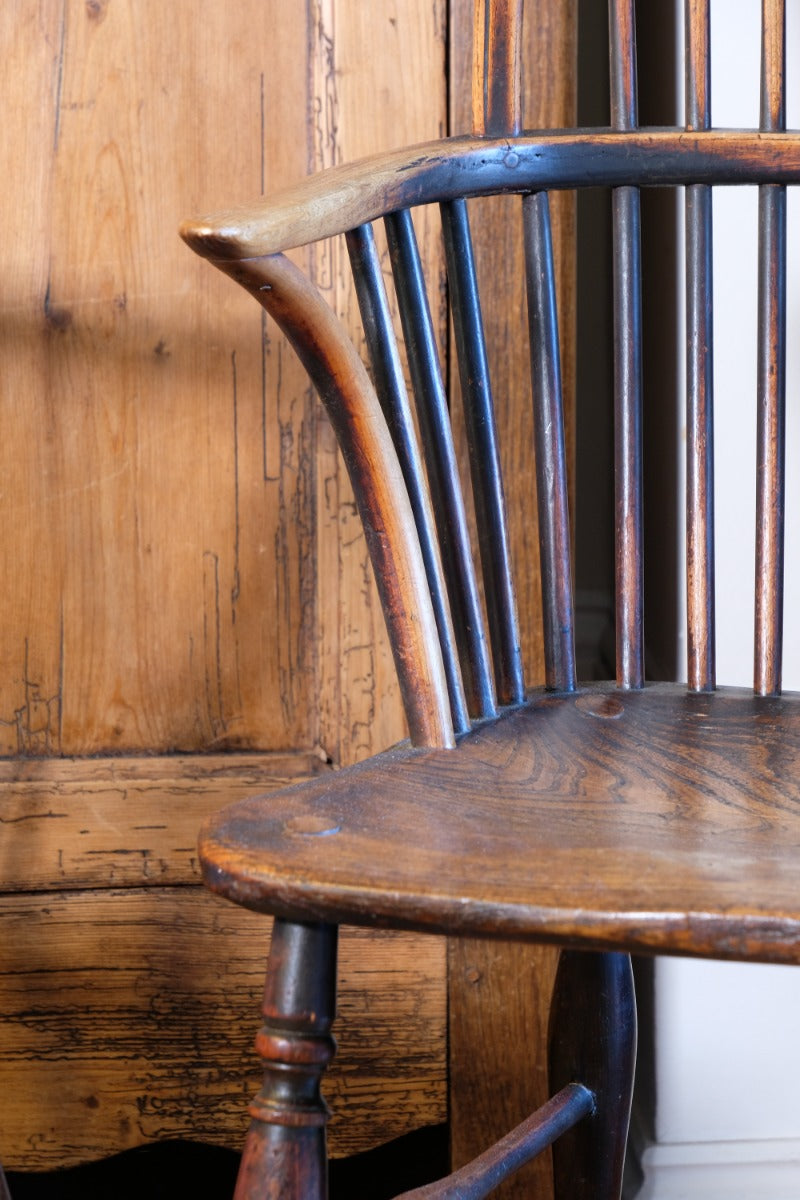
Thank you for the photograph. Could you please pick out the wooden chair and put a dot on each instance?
(655, 818)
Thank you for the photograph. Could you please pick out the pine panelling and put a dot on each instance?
(128, 1017)
(122, 822)
(163, 591)
(160, 589)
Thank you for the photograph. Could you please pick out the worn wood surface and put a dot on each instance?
(183, 563)
(134, 602)
(649, 819)
(159, 602)
(121, 822)
(129, 1016)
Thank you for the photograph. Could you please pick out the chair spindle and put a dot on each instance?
(627, 363)
(484, 455)
(771, 370)
(700, 591)
(551, 462)
(441, 463)
(390, 386)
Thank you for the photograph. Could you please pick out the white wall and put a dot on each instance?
(727, 1035)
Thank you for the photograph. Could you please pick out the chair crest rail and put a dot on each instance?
(345, 197)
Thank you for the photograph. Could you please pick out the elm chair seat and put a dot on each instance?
(647, 820)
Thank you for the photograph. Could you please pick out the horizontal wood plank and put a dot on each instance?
(123, 822)
(129, 1017)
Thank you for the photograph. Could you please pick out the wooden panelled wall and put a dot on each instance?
(186, 594)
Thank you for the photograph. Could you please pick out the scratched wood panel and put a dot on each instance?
(164, 589)
(400, 99)
(160, 592)
(128, 1016)
(122, 822)
(499, 996)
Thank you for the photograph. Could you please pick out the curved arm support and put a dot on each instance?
(349, 398)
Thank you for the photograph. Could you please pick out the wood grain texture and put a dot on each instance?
(128, 1016)
(647, 820)
(141, 615)
(130, 596)
(121, 822)
(499, 1003)
(183, 561)
(497, 67)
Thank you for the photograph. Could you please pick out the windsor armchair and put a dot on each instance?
(628, 816)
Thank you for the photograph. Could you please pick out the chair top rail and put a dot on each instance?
(344, 197)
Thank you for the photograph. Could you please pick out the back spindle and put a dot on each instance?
(699, 372)
(771, 370)
(392, 393)
(627, 363)
(484, 456)
(442, 467)
(551, 462)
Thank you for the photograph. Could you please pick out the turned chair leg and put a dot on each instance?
(593, 1041)
(285, 1152)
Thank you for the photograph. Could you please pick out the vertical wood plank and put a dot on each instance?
(499, 995)
(133, 394)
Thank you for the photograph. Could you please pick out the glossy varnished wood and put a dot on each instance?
(651, 820)
(296, 1046)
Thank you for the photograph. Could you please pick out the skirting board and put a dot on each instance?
(756, 1170)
